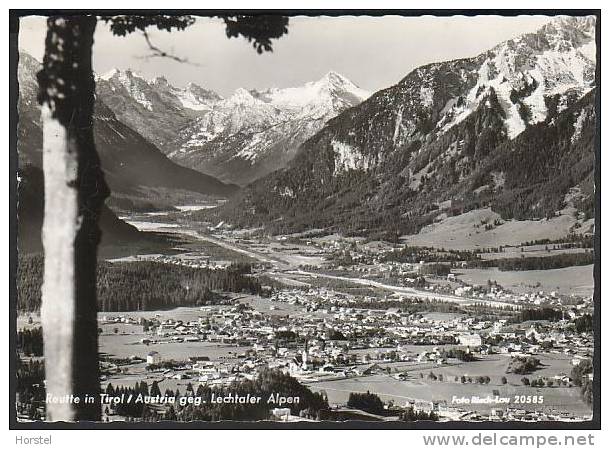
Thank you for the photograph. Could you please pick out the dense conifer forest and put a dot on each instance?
(539, 263)
(129, 286)
(29, 341)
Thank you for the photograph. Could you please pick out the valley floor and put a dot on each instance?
(303, 264)
(404, 357)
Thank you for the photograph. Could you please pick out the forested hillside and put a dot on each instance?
(527, 177)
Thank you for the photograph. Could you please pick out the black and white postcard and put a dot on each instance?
(305, 219)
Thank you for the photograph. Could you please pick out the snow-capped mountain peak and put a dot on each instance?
(126, 76)
(331, 93)
(202, 93)
(158, 93)
(564, 32)
(241, 96)
(335, 80)
(512, 129)
(260, 130)
(107, 76)
(153, 107)
(525, 72)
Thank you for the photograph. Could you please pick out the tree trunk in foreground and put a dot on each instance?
(74, 193)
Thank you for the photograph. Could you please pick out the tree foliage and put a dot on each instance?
(553, 262)
(580, 376)
(411, 415)
(29, 341)
(268, 382)
(368, 402)
(123, 25)
(523, 365)
(259, 30)
(584, 323)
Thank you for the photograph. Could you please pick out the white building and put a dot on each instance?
(281, 414)
(153, 358)
(470, 340)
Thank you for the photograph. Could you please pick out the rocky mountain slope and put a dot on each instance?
(512, 128)
(131, 163)
(153, 108)
(237, 139)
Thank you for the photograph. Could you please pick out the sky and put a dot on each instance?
(373, 52)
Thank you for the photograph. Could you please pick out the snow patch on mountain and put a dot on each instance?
(589, 50)
(285, 191)
(397, 127)
(426, 94)
(348, 158)
(582, 117)
(535, 101)
(251, 151)
(557, 59)
(196, 98)
(240, 113)
(189, 101)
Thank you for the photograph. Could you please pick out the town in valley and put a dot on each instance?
(325, 253)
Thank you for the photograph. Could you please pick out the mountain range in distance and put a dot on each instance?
(134, 168)
(129, 160)
(237, 139)
(512, 129)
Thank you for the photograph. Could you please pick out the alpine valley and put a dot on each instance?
(512, 129)
(139, 175)
(424, 252)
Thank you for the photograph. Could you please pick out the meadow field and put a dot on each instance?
(577, 280)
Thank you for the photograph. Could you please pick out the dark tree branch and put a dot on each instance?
(158, 53)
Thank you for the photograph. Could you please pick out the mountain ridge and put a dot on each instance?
(130, 161)
(393, 159)
(237, 139)
(132, 167)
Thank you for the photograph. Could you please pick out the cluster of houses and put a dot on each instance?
(190, 260)
(337, 339)
(369, 260)
(335, 335)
